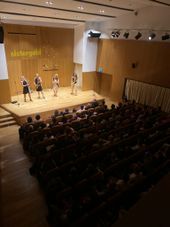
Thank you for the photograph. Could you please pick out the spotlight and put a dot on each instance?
(126, 35)
(151, 36)
(138, 36)
(94, 34)
(165, 37)
(115, 34)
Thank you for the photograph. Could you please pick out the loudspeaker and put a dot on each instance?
(1, 34)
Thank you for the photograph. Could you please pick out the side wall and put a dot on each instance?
(139, 60)
(51, 51)
(99, 82)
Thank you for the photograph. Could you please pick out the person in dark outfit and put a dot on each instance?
(38, 84)
(26, 88)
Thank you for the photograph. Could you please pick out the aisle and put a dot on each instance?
(22, 203)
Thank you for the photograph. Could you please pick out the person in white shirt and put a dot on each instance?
(55, 84)
(74, 80)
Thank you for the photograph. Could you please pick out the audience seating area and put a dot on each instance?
(94, 162)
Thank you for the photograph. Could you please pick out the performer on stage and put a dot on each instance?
(55, 84)
(38, 84)
(26, 88)
(74, 79)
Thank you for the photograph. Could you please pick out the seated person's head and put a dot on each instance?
(29, 119)
(66, 111)
(56, 113)
(37, 117)
(64, 119)
(53, 118)
(113, 106)
(74, 110)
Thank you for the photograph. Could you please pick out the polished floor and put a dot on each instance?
(22, 202)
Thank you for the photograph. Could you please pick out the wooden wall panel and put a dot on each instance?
(151, 59)
(99, 82)
(105, 86)
(56, 46)
(88, 79)
(5, 96)
(14, 72)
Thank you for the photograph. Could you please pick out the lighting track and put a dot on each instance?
(103, 5)
(54, 8)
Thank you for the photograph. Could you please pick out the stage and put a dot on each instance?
(45, 107)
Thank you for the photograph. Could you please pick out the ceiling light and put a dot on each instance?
(151, 36)
(138, 36)
(49, 2)
(115, 34)
(126, 35)
(165, 37)
(80, 7)
(101, 11)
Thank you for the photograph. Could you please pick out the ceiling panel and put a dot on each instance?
(74, 12)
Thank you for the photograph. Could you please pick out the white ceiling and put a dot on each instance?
(111, 14)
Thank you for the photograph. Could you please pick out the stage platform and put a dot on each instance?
(45, 107)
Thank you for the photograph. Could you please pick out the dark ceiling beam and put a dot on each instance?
(37, 16)
(104, 5)
(160, 2)
(54, 8)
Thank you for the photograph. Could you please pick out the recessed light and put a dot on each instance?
(49, 2)
(80, 7)
(4, 17)
(101, 11)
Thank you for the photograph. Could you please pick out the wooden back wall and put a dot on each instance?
(55, 45)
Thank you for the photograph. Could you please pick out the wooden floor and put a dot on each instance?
(46, 106)
(22, 202)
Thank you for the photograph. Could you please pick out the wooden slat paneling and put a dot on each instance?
(56, 54)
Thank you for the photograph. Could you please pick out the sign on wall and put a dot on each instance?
(26, 53)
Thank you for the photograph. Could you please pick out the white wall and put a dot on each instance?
(78, 44)
(85, 48)
(90, 46)
(3, 64)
